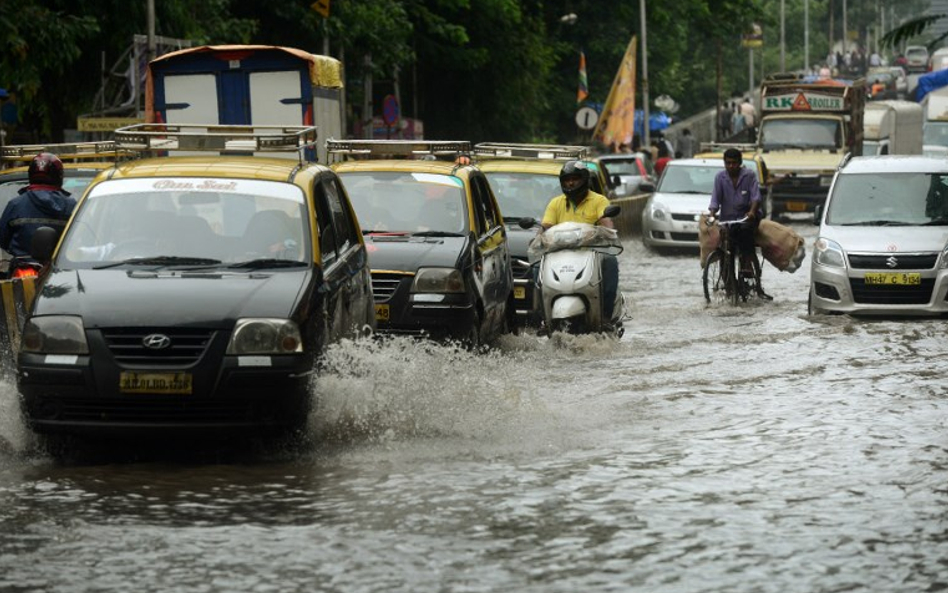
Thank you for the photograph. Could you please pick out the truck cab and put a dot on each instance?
(807, 126)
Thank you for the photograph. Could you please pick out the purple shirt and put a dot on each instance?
(734, 201)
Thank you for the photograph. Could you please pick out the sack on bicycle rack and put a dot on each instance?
(709, 237)
(780, 245)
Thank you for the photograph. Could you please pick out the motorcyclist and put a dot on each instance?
(43, 202)
(578, 203)
(736, 193)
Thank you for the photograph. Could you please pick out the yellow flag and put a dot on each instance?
(322, 7)
(617, 122)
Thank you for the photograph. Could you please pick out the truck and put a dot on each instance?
(892, 127)
(257, 85)
(932, 94)
(807, 126)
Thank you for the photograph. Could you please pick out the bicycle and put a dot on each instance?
(723, 277)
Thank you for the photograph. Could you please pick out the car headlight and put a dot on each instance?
(54, 334)
(828, 253)
(658, 212)
(265, 336)
(944, 258)
(438, 280)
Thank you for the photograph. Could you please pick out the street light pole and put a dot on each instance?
(806, 35)
(783, 62)
(645, 122)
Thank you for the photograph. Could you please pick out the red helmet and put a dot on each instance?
(46, 169)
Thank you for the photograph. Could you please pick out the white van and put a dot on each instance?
(882, 248)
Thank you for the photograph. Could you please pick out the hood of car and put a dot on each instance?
(891, 239)
(802, 161)
(138, 297)
(681, 202)
(405, 253)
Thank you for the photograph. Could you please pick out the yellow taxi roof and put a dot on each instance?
(401, 165)
(521, 166)
(243, 167)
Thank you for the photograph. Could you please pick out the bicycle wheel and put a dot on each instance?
(714, 276)
(731, 287)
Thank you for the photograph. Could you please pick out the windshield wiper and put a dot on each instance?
(379, 231)
(876, 223)
(161, 260)
(436, 234)
(936, 222)
(687, 191)
(268, 262)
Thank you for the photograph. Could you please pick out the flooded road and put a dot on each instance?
(712, 449)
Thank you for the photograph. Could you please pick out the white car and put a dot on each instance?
(670, 217)
(882, 248)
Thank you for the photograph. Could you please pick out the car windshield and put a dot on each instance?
(690, 179)
(523, 195)
(890, 199)
(187, 221)
(405, 202)
(935, 133)
(800, 133)
(916, 53)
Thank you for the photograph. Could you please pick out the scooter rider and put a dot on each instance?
(43, 202)
(578, 203)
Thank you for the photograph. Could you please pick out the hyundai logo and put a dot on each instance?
(892, 262)
(156, 341)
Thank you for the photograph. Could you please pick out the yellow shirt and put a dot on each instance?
(590, 210)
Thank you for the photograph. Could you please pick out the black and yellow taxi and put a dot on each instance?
(194, 293)
(435, 236)
(525, 177)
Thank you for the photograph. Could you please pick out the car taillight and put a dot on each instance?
(24, 273)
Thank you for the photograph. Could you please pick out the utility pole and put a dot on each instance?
(151, 31)
(806, 35)
(783, 59)
(646, 136)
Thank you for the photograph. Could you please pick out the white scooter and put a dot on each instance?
(569, 282)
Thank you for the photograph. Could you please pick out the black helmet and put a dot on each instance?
(574, 169)
(46, 169)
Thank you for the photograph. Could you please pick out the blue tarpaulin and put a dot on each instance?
(657, 120)
(929, 82)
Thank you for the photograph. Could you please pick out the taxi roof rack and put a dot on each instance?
(69, 151)
(399, 148)
(530, 151)
(237, 139)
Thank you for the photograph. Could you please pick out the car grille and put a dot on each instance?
(684, 216)
(520, 270)
(923, 261)
(684, 237)
(187, 345)
(876, 294)
(384, 286)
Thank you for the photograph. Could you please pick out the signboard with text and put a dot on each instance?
(803, 102)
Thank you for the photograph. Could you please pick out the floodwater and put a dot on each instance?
(712, 449)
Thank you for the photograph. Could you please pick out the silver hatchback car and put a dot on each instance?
(882, 247)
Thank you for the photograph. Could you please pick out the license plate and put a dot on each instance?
(796, 206)
(155, 383)
(382, 313)
(901, 278)
(520, 292)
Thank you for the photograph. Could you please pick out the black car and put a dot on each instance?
(436, 241)
(194, 294)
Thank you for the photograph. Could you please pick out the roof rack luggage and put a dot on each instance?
(529, 151)
(216, 138)
(398, 148)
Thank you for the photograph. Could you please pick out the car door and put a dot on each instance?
(344, 259)
(492, 251)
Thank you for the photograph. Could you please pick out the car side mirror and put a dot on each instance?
(611, 211)
(527, 223)
(817, 214)
(43, 244)
(647, 187)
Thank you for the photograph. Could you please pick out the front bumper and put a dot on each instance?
(228, 394)
(842, 290)
(678, 229)
(435, 315)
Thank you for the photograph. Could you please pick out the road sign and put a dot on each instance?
(586, 118)
(390, 110)
(322, 7)
(105, 124)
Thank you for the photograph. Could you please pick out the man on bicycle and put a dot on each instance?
(736, 193)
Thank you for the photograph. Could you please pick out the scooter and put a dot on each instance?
(569, 279)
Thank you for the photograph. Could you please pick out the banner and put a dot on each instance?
(616, 124)
(583, 90)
